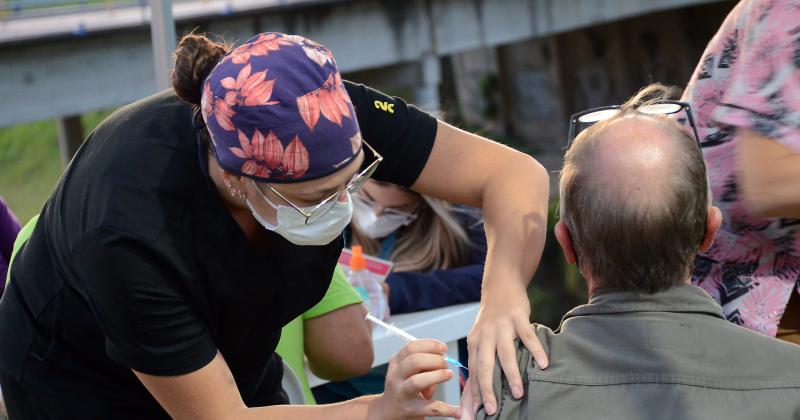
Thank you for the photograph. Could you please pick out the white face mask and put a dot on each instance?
(375, 226)
(292, 225)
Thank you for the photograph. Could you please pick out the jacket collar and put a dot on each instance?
(681, 298)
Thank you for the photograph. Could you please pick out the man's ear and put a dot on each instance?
(712, 226)
(564, 239)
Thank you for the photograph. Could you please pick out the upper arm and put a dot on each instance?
(768, 175)
(338, 344)
(461, 164)
(760, 100)
(207, 393)
(433, 157)
(336, 338)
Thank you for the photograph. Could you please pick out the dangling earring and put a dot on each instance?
(234, 192)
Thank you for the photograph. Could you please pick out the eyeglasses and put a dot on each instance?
(327, 204)
(578, 122)
(392, 213)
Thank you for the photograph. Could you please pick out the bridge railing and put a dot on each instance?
(15, 9)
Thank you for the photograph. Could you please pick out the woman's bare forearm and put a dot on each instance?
(359, 408)
(515, 214)
(510, 186)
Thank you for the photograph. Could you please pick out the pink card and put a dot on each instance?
(380, 268)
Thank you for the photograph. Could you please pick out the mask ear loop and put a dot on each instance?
(264, 196)
(197, 119)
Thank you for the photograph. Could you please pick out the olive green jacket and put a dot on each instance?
(669, 355)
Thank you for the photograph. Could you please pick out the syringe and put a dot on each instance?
(408, 337)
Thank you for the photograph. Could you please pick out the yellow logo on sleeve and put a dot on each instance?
(385, 106)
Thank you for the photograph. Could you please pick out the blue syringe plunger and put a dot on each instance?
(408, 337)
(455, 362)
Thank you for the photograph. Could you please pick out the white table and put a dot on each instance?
(448, 324)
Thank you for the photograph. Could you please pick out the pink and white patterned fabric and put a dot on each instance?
(749, 77)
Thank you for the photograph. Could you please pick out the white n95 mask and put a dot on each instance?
(291, 224)
(378, 226)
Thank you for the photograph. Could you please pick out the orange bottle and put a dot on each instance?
(357, 261)
(367, 287)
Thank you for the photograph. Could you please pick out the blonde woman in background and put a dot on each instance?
(438, 250)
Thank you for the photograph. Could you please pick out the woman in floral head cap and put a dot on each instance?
(193, 224)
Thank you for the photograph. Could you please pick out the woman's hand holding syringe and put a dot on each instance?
(407, 337)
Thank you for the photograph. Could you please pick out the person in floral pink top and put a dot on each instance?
(746, 95)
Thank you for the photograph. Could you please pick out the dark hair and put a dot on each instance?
(632, 239)
(195, 57)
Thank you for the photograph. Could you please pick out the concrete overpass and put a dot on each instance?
(60, 66)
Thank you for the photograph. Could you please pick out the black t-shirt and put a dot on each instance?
(136, 264)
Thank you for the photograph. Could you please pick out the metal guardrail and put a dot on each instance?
(19, 9)
(40, 19)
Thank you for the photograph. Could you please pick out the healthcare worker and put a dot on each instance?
(193, 224)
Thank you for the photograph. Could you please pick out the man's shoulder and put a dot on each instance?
(760, 352)
(688, 347)
(545, 335)
(645, 371)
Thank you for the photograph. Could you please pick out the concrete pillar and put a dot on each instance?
(475, 74)
(530, 79)
(162, 33)
(426, 94)
(70, 136)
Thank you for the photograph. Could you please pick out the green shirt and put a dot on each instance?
(22, 236)
(290, 348)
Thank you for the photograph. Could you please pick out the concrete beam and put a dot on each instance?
(74, 77)
(71, 76)
(120, 18)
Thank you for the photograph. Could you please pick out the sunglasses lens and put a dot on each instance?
(596, 116)
(659, 109)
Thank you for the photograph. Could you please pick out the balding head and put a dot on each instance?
(634, 197)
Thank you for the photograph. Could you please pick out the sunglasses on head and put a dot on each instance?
(580, 121)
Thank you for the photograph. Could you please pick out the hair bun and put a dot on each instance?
(195, 57)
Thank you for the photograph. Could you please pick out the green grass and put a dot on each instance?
(8, 8)
(30, 163)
